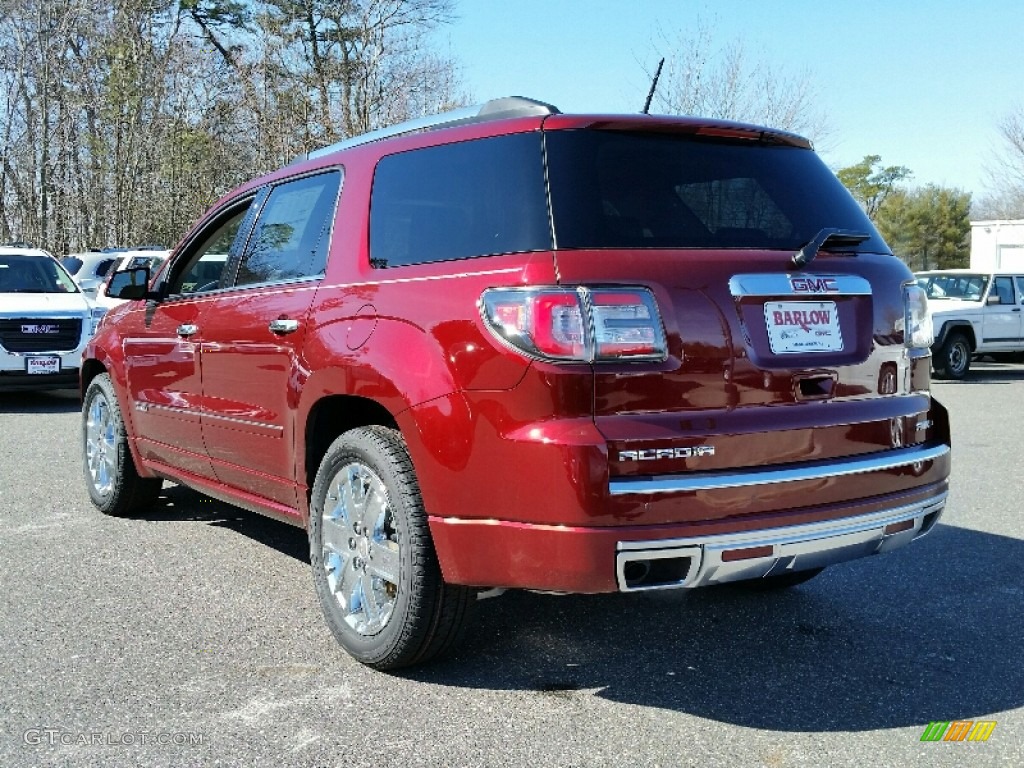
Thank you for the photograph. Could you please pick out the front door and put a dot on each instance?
(1001, 329)
(163, 343)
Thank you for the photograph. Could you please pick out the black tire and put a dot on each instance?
(954, 358)
(779, 581)
(375, 570)
(111, 477)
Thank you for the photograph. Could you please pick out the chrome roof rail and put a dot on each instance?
(495, 109)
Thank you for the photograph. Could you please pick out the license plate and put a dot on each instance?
(42, 365)
(798, 327)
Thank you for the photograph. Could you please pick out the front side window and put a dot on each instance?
(456, 201)
(1003, 288)
(293, 231)
(616, 189)
(202, 264)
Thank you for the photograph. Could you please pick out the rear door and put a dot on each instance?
(252, 343)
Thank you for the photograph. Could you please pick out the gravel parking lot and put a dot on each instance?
(192, 636)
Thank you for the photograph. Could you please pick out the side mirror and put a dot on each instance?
(993, 298)
(131, 284)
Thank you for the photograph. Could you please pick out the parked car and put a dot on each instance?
(524, 349)
(90, 269)
(45, 321)
(974, 313)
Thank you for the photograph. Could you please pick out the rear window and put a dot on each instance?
(72, 264)
(460, 200)
(104, 267)
(627, 190)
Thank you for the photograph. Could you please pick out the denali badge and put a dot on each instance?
(26, 329)
(653, 454)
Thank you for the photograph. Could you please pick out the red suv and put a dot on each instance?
(509, 347)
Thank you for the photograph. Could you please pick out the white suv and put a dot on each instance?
(45, 321)
(973, 313)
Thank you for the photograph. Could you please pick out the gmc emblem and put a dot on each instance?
(814, 285)
(27, 329)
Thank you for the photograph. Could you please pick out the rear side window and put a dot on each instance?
(104, 267)
(613, 189)
(292, 232)
(455, 201)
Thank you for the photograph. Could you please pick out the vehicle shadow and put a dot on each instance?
(178, 503)
(50, 401)
(986, 373)
(929, 633)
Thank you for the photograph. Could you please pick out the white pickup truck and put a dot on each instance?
(974, 313)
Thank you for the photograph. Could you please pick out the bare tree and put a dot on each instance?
(1005, 172)
(708, 79)
(123, 122)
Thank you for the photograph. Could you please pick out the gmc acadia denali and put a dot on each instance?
(512, 348)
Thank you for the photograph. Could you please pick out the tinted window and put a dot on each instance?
(458, 200)
(615, 189)
(104, 267)
(292, 232)
(72, 264)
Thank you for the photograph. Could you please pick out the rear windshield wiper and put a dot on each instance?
(806, 255)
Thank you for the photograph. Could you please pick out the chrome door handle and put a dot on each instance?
(284, 326)
(188, 329)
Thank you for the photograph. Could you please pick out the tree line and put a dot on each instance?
(122, 123)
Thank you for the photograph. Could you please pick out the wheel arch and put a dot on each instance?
(955, 326)
(328, 418)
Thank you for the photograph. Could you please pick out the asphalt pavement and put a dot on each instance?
(191, 636)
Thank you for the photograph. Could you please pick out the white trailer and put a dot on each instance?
(997, 245)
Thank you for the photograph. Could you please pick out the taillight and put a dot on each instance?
(577, 324)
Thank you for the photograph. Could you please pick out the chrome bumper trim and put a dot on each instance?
(793, 548)
(710, 481)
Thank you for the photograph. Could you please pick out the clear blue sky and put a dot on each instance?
(923, 83)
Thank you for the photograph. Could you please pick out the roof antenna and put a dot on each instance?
(654, 84)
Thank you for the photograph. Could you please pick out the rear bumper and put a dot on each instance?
(707, 560)
(561, 558)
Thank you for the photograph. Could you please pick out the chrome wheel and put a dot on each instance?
(375, 569)
(101, 445)
(360, 548)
